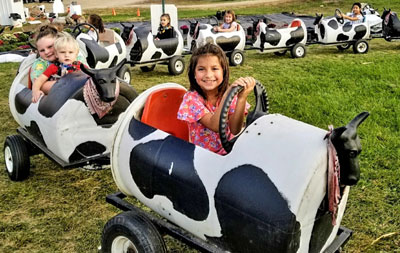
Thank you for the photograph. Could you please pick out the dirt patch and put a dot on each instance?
(99, 4)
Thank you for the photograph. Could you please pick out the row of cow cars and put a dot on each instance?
(254, 199)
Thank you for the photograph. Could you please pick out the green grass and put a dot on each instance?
(64, 210)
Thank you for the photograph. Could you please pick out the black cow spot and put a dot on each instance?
(347, 27)
(168, 46)
(322, 228)
(253, 215)
(85, 150)
(34, 130)
(360, 30)
(165, 167)
(119, 47)
(342, 37)
(322, 30)
(23, 100)
(333, 24)
(228, 44)
(61, 91)
(138, 130)
(295, 36)
(272, 37)
(156, 55)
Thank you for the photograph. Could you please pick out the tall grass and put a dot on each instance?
(63, 210)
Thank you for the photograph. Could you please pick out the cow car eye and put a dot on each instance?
(101, 81)
(353, 153)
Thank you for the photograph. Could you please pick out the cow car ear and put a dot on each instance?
(337, 132)
(86, 70)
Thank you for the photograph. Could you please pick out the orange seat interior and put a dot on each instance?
(160, 111)
(295, 23)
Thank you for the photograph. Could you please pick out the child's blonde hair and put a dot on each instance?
(65, 39)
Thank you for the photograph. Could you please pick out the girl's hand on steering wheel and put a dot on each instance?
(247, 83)
(36, 95)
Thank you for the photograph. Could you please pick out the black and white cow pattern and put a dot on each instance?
(330, 31)
(144, 48)
(205, 33)
(97, 56)
(61, 121)
(251, 200)
(283, 38)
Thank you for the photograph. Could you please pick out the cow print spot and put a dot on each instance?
(165, 167)
(250, 209)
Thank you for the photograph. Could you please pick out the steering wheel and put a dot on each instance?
(260, 109)
(339, 16)
(79, 29)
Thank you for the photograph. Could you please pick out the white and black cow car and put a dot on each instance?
(342, 33)
(268, 194)
(60, 124)
(145, 51)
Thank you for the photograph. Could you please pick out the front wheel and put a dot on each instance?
(125, 73)
(176, 65)
(131, 232)
(360, 47)
(298, 51)
(16, 158)
(236, 58)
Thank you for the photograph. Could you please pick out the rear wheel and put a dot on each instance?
(131, 232)
(236, 58)
(16, 157)
(360, 47)
(298, 51)
(148, 68)
(125, 73)
(176, 65)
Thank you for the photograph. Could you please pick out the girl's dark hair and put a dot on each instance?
(208, 49)
(97, 22)
(46, 30)
(356, 3)
(232, 13)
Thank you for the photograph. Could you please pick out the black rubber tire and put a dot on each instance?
(134, 231)
(125, 73)
(236, 58)
(16, 158)
(176, 65)
(147, 68)
(343, 47)
(360, 47)
(298, 51)
(280, 53)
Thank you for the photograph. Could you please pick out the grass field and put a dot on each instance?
(64, 210)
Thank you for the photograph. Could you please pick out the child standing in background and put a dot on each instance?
(209, 85)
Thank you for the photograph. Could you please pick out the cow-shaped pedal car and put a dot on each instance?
(145, 51)
(390, 25)
(343, 34)
(104, 51)
(232, 43)
(268, 194)
(74, 124)
(279, 41)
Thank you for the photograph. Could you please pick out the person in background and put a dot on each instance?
(229, 24)
(356, 16)
(165, 31)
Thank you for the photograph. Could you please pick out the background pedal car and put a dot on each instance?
(105, 52)
(281, 40)
(144, 51)
(343, 34)
(268, 194)
(232, 43)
